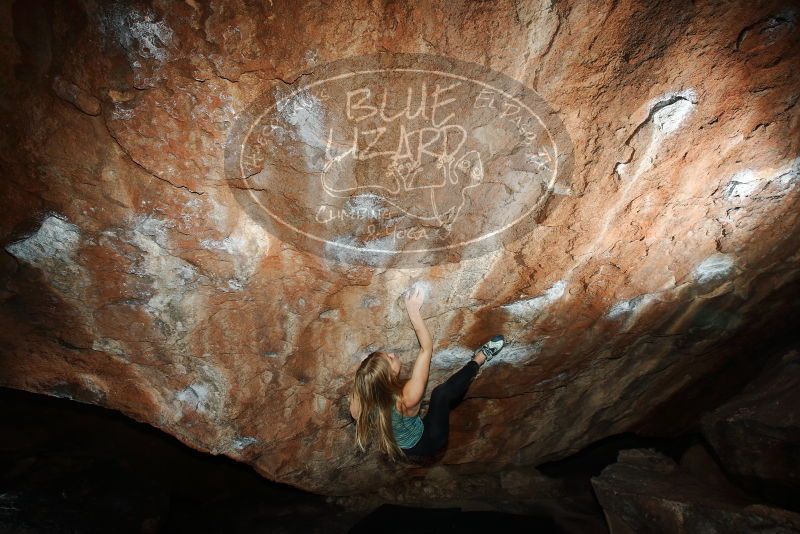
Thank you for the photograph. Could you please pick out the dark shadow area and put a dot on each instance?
(752, 350)
(70, 467)
(576, 470)
(391, 519)
(708, 394)
(591, 460)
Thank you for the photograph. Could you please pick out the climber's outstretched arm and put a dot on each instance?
(414, 389)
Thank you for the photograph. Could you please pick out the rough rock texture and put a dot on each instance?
(757, 434)
(647, 492)
(133, 279)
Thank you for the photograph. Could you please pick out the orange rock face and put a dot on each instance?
(145, 269)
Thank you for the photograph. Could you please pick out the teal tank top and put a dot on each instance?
(407, 430)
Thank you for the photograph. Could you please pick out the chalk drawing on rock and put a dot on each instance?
(388, 155)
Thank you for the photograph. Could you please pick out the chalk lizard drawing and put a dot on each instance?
(428, 186)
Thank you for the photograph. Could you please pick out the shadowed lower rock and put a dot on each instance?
(646, 491)
(757, 433)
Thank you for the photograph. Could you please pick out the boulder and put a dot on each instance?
(756, 434)
(646, 491)
(155, 155)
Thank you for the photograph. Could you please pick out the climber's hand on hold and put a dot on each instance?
(414, 298)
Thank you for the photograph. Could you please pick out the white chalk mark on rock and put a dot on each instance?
(670, 116)
(746, 182)
(625, 307)
(247, 244)
(715, 267)
(172, 299)
(742, 184)
(789, 175)
(195, 396)
(55, 240)
(242, 443)
(139, 32)
(51, 249)
(531, 307)
(111, 346)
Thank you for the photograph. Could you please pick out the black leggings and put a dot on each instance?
(444, 398)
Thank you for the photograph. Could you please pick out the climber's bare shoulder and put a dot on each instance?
(355, 407)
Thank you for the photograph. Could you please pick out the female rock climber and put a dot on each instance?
(387, 407)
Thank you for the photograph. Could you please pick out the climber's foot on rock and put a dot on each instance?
(488, 350)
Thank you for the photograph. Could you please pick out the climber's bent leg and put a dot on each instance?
(444, 397)
(455, 387)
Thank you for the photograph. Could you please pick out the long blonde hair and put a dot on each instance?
(376, 387)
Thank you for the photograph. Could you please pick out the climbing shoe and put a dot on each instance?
(493, 346)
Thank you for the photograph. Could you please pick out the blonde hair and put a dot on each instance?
(376, 387)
